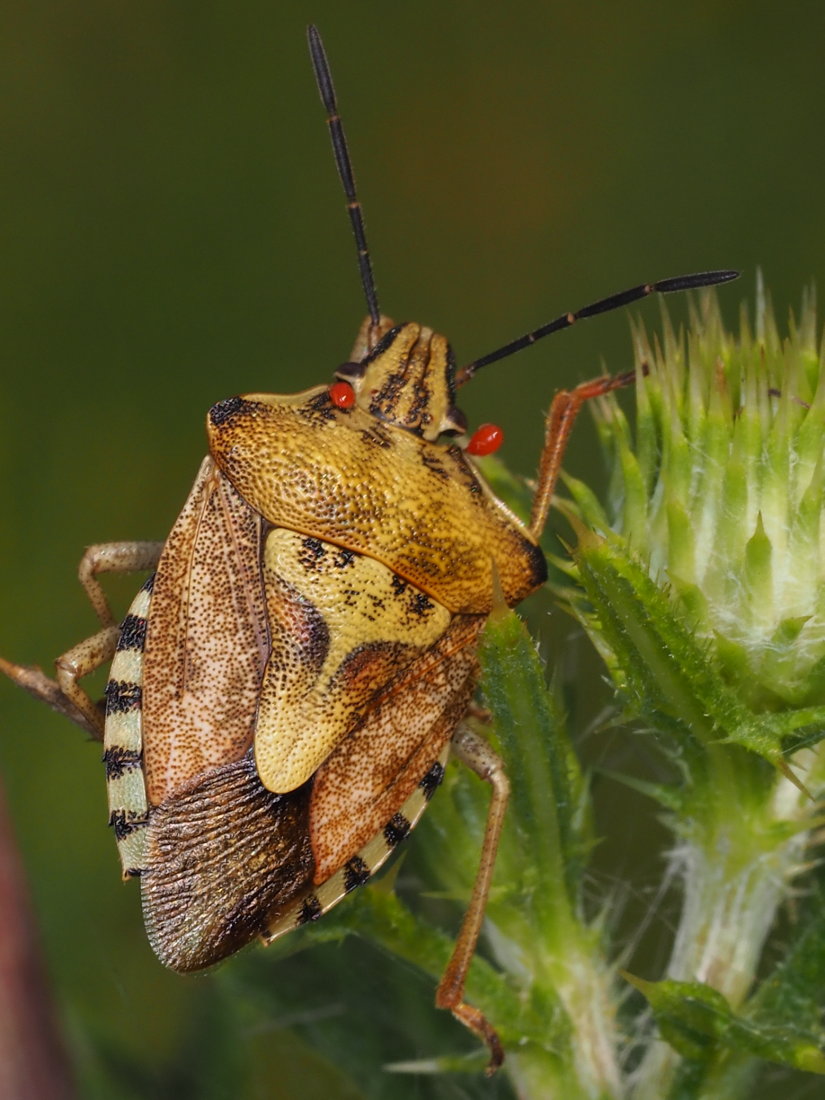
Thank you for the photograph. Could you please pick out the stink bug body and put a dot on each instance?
(287, 686)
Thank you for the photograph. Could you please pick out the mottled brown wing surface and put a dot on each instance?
(207, 639)
(366, 681)
(221, 854)
(402, 731)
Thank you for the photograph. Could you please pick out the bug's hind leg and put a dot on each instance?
(64, 694)
(479, 756)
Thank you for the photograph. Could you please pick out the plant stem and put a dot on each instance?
(735, 862)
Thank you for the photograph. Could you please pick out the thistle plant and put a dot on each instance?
(698, 576)
(701, 584)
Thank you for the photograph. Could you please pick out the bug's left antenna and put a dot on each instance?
(323, 78)
(604, 305)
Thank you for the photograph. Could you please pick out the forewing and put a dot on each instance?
(221, 854)
(313, 901)
(379, 763)
(207, 638)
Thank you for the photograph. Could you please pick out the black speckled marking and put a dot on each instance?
(399, 585)
(376, 438)
(356, 873)
(122, 696)
(132, 633)
(380, 347)
(396, 830)
(312, 553)
(119, 760)
(123, 825)
(225, 411)
(432, 780)
(434, 465)
(149, 583)
(420, 604)
(310, 911)
(320, 408)
(462, 469)
(344, 557)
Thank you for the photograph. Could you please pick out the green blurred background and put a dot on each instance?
(173, 233)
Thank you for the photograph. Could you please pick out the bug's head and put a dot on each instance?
(406, 377)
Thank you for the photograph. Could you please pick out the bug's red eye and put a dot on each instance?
(485, 440)
(342, 394)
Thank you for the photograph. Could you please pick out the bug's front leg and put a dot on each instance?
(64, 694)
(561, 416)
(480, 757)
(114, 557)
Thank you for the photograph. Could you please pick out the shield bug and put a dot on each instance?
(288, 684)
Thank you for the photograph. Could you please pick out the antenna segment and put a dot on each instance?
(343, 163)
(604, 305)
(323, 78)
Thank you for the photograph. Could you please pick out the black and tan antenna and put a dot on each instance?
(326, 88)
(604, 305)
(323, 78)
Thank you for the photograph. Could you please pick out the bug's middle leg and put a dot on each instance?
(64, 694)
(481, 758)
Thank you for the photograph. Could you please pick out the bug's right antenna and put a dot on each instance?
(323, 78)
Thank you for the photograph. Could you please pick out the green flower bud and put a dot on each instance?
(718, 495)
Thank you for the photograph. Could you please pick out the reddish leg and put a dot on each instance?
(477, 754)
(559, 423)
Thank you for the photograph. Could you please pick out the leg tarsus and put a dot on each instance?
(33, 680)
(477, 1022)
(479, 713)
(479, 756)
(64, 694)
